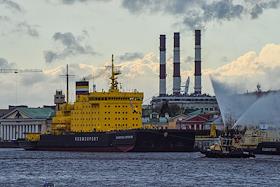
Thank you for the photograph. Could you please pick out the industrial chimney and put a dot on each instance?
(197, 62)
(176, 65)
(162, 66)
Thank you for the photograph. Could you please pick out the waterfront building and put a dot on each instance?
(20, 120)
(3, 112)
(196, 120)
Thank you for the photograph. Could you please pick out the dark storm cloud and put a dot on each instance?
(19, 27)
(4, 18)
(258, 8)
(33, 78)
(70, 2)
(24, 27)
(71, 46)
(11, 4)
(221, 10)
(173, 7)
(131, 56)
(197, 13)
(4, 64)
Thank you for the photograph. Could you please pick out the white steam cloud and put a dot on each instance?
(231, 83)
(265, 111)
(4, 64)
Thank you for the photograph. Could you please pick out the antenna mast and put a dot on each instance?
(67, 83)
(114, 83)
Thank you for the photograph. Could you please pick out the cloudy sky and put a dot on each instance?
(240, 43)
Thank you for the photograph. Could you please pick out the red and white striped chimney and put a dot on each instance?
(176, 65)
(162, 66)
(197, 61)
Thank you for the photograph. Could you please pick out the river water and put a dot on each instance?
(36, 168)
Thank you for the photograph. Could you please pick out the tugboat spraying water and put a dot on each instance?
(228, 146)
(226, 149)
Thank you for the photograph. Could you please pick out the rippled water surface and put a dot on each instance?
(21, 168)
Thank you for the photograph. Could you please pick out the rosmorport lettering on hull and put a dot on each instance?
(86, 139)
(269, 149)
(124, 137)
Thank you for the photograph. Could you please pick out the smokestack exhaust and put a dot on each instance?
(162, 66)
(197, 62)
(176, 65)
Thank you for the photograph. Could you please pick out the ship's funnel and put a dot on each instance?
(162, 66)
(176, 65)
(197, 63)
(82, 87)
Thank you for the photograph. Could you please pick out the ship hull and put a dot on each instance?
(268, 148)
(118, 141)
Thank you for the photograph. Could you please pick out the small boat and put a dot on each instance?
(220, 153)
(226, 150)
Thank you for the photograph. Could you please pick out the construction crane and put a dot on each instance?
(20, 70)
(187, 86)
(16, 71)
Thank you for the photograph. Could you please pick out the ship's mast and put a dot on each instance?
(114, 83)
(67, 83)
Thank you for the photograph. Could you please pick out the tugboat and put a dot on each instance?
(226, 148)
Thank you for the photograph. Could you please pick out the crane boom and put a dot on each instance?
(187, 86)
(20, 70)
(12, 70)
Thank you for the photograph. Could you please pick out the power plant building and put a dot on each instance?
(195, 100)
